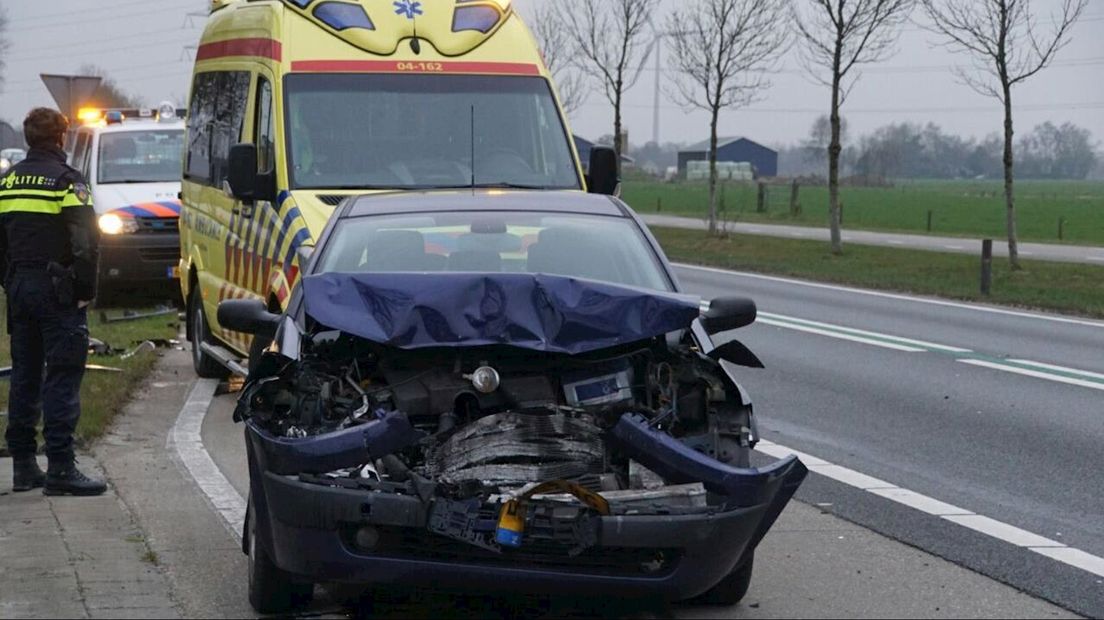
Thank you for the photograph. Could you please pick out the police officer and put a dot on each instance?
(49, 251)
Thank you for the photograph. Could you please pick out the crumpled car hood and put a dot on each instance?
(539, 312)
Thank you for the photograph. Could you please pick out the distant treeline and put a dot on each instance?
(912, 150)
(908, 150)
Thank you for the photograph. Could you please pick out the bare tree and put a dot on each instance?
(1007, 47)
(558, 50)
(109, 94)
(721, 50)
(609, 40)
(837, 37)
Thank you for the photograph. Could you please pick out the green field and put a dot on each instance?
(103, 395)
(959, 208)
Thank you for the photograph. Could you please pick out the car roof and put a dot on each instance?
(137, 125)
(557, 201)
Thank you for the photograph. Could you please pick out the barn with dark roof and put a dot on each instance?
(737, 149)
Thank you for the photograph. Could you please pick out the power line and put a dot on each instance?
(101, 9)
(1042, 107)
(82, 22)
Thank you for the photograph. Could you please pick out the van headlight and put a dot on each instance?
(112, 224)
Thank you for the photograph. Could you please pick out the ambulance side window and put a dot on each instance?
(215, 123)
(265, 128)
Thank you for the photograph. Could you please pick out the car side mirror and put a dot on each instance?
(248, 316)
(242, 173)
(728, 313)
(604, 173)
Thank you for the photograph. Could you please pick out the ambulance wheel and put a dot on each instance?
(198, 332)
(271, 590)
(733, 588)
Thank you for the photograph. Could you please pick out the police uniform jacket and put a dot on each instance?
(46, 216)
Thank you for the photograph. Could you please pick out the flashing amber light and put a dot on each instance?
(90, 115)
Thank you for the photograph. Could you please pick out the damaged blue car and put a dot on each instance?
(505, 391)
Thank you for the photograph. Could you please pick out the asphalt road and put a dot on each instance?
(958, 245)
(1015, 441)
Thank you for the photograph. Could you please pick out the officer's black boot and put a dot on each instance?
(26, 475)
(65, 479)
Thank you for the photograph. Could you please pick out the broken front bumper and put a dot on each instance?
(311, 530)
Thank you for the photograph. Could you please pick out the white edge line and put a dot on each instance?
(900, 297)
(841, 336)
(1074, 371)
(186, 442)
(1035, 373)
(863, 332)
(952, 514)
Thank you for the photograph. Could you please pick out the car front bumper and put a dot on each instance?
(310, 531)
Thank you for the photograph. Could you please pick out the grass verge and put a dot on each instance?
(103, 395)
(1064, 287)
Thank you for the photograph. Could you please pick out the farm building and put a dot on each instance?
(734, 150)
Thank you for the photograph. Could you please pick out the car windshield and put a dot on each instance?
(152, 156)
(369, 131)
(609, 249)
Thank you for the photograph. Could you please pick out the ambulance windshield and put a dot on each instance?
(384, 131)
(148, 156)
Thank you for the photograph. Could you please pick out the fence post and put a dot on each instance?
(986, 266)
(1061, 228)
(795, 206)
(762, 203)
(929, 220)
(659, 204)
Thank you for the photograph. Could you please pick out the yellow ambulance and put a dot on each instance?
(298, 104)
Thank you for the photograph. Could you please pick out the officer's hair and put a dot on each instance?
(44, 128)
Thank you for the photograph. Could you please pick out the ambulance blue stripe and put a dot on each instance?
(300, 238)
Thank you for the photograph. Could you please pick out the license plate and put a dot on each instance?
(174, 273)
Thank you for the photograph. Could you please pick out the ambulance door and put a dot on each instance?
(216, 122)
(260, 226)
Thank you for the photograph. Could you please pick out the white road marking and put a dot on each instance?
(899, 297)
(1003, 531)
(797, 234)
(1097, 258)
(1085, 373)
(895, 242)
(953, 514)
(954, 247)
(841, 336)
(1025, 253)
(1035, 373)
(923, 503)
(186, 442)
(862, 332)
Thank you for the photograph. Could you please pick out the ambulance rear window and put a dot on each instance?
(368, 131)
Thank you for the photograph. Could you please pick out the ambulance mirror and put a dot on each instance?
(604, 177)
(243, 171)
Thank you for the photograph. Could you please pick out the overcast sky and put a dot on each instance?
(143, 44)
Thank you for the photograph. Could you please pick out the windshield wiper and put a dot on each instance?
(506, 185)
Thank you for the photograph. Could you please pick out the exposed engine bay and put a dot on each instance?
(498, 441)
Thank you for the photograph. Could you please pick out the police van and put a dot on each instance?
(299, 104)
(132, 161)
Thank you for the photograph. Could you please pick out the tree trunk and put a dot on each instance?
(617, 146)
(834, 150)
(713, 172)
(1009, 180)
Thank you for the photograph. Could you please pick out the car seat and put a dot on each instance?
(570, 251)
(482, 261)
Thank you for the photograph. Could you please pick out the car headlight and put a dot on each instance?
(112, 224)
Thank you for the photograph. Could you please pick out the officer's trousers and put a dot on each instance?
(49, 348)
